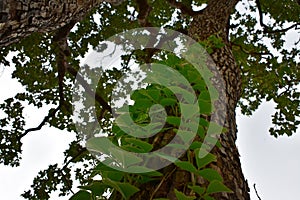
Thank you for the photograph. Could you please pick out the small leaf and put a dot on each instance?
(207, 197)
(165, 156)
(125, 158)
(168, 102)
(125, 189)
(189, 111)
(186, 136)
(174, 120)
(96, 187)
(115, 176)
(144, 171)
(181, 196)
(199, 190)
(210, 175)
(143, 103)
(145, 146)
(186, 166)
(195, 145)
(205, 107)
(202, 162)
(204, 96)
(217, 186)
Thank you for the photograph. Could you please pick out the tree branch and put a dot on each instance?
(87, 88)
(256, 192)
(144, 11)
(18, 20)
(252, 52)
(45, 120)
(186, 10)
(268, 29)
(62, 51)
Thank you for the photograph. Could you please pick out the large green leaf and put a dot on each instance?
(217, 186)
(125, 189)
(210, 174)
(202, 162)
(185, 165)
(82, 195)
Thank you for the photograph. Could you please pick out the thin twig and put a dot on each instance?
(161, 182)
(256, 192)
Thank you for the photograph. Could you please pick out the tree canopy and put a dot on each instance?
(47, 64)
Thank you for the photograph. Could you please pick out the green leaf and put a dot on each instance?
(173, 120)
(125, 158)
(145, 171)
(165, 156)
(202, 162)
(217, 186)
(152, 94)
(205, 107)
(168, 102)
(143, 103)
(189, 96)
(195, 145)
(98, 144)
(96, 187)
(125, 189)
(204, 96)
(181, 196)
(201, 132)
(207, 197)
(188, 111)
(186, 136)
(113, 175)
(145, 146)
(82, 195)
(210, 174)
(186, 166)
(199, 190)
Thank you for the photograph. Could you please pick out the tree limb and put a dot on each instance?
(252, 52)
(87, 88)
(144, 11)
(268, 29)
(45, 120)
(186, 10)
(19, 18)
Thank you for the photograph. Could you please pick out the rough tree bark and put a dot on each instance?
(19, 18)
(215, 20)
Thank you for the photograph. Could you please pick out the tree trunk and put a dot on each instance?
(20, 18)
(215, 20)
